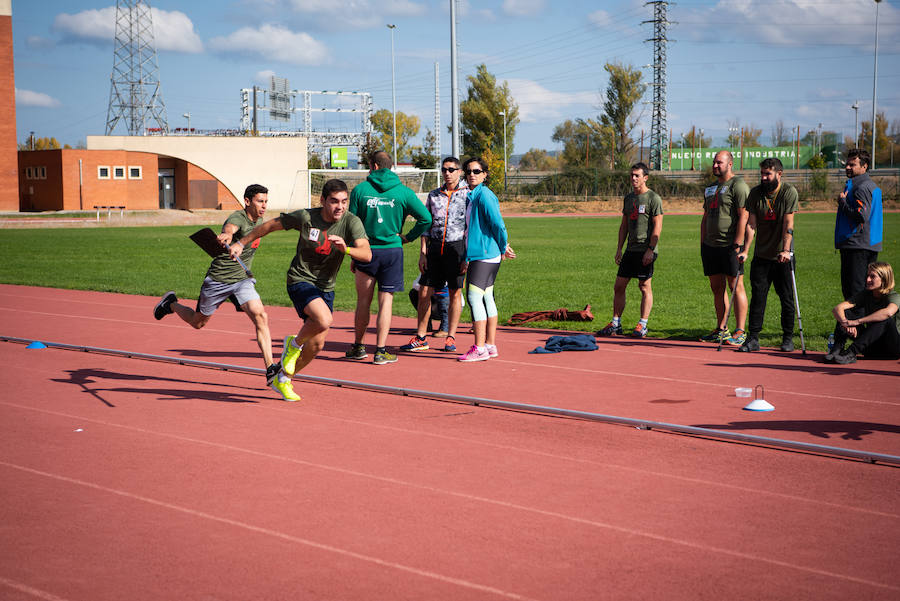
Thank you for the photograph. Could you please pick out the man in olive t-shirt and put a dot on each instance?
(327, 233)
(641, 225)
(227, 280)
(722, 238)
(771, 206)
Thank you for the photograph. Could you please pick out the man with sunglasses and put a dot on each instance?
(382, 203)
(442, 258)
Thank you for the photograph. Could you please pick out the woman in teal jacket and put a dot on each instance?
(486, 245)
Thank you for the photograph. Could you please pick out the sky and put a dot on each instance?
(750, 62)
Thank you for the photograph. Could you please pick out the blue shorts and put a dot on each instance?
(303, 293)
(386, 267)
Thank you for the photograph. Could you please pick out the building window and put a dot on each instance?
(103, 172)
(28, 173)
(135, 172)
(42, 173)
(118, 172)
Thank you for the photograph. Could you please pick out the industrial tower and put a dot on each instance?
(135, 95)
(658, 129)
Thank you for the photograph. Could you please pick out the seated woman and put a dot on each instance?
(870, 318)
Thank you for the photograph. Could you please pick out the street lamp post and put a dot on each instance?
(700, 147)
(682, 151)
(188, 117)
(855, 107)
(733, 137)
(505, 166)
(393, 95)
(875, 83)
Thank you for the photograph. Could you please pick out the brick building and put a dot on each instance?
(71, 180)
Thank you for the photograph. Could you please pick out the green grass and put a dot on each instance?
(563, 262)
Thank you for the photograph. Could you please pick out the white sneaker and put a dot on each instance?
(492, 350)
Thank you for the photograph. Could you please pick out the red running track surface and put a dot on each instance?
(130, 479)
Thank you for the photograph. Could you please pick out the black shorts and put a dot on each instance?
(632, 265)
(720, 260)
(386, 267)
(442, 269)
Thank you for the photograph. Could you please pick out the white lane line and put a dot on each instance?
(496, 502)
(274, 533)
(30, 590)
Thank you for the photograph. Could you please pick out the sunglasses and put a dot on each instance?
(474, 171)
(449, 169)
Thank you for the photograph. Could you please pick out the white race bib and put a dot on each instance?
(314, 234)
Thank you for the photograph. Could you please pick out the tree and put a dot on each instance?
(407, 127)
(882, 145)
(746, 136)
(693, 139)
(781, 136)
(538, 160)
(426, 156)
(314, 161)
(40, 144)
(585, 142)
(622, 95)
(480, 118)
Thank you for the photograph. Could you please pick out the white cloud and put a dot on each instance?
(537, 103)
(797, 22)
(523, 8)
(29, 98)
(357, 14)
(273, 42)
(264, 77)
(173, 30)
(36, 41)
(465, 11)
(600, 18)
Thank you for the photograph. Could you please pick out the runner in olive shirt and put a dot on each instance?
(227, 280)
(771, 206)
(722, 238)
(327, 233)
(642, 225)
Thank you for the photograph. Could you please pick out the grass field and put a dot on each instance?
(562, 262)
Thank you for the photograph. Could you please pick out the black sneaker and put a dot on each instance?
(834, 352)
(787, 344)
(750, 345)
(848, 356)
(272, 372)
(164, 306)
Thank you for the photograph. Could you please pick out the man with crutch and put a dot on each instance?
(771, 205)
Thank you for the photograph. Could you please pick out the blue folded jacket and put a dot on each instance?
(556, 344)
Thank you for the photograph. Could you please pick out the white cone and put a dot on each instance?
(759, 405)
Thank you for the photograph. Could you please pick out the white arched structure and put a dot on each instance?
(277, 163)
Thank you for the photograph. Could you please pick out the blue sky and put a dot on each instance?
(804, 62)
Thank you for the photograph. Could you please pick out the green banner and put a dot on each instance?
(749, 158)
(338, 157)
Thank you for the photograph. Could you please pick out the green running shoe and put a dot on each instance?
(289, 356)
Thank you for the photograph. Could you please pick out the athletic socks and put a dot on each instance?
(616, 321)
(643, 322)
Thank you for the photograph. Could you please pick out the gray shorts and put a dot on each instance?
(213, 294)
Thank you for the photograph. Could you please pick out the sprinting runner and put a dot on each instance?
(225, 278)
(327, 233)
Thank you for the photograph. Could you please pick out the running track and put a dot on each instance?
(130, 479)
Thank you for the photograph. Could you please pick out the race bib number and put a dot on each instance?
(314, 234)
(642, 209)
(710, 191)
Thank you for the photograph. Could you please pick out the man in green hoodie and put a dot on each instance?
(382, 202)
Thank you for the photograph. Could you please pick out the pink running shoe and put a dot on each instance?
(474, 355)
(492, 350)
